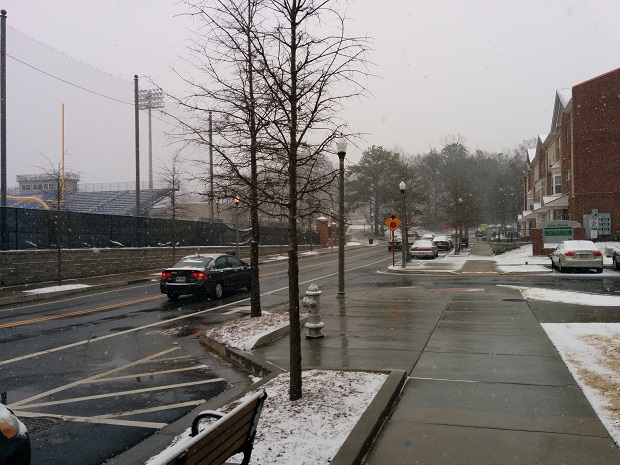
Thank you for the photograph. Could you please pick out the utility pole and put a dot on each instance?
(137, 126)
(4, 233)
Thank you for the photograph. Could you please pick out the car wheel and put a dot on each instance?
(172, 296)
(218, 292)
(599, 270)
(561, 269)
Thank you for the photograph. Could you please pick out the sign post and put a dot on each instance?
(393, 222)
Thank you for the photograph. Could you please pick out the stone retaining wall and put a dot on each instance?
(38, 266)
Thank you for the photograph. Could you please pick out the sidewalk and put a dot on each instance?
(482, 382)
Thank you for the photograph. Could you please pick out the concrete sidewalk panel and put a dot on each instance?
(520, 407)
(474, 342)
(407, 442)
(496, 328)
(494, 368)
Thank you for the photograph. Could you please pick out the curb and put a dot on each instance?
(361, 438)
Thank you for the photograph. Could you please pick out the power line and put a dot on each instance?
(82, 88)
(67, 82)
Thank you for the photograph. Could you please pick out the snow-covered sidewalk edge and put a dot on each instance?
(288, 431)
(588, 351)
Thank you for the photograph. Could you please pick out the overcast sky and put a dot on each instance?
(486, 70)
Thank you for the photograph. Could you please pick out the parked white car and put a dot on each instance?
(577, 254)
(424, 248)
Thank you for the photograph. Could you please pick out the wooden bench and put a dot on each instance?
(231, 434)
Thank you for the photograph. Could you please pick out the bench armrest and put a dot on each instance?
(205, 414)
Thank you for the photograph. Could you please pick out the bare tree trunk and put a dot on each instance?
(255, 304)
(293, 263)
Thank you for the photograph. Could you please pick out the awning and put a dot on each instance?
(553, 201)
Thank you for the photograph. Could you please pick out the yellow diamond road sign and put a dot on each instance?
(393, 222)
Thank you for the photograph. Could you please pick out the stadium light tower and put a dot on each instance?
(149, 100)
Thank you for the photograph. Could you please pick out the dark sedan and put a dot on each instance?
(14, 439)
(205, 274)
(398, 244)
(443, 243)
(615, 258)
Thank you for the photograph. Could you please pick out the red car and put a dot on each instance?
(615, 258)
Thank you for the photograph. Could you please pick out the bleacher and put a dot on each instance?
(113, 202)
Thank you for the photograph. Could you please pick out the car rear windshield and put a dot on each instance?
(193, 262)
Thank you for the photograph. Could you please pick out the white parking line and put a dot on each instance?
(148, 374)
(95, 420)
(123, 393)
(91, 378)
(190, 403)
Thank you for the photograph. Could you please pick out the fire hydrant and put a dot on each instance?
(312, 302)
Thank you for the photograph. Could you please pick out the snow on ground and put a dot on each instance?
(44, 290)
(311, 430)
(590, 351)
(579, 298)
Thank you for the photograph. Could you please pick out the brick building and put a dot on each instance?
(573, 172)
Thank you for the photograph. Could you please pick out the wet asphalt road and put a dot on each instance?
(102, 371)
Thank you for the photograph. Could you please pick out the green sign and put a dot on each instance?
(557, 232)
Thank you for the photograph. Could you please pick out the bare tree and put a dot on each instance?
(56, 174)
(173, 175)
(222, 51)
(274, 76)
(310, 69)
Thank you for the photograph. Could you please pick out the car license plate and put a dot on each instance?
(179, 279)
(584, 255)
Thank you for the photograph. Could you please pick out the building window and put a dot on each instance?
(567, 179)
(557, 184)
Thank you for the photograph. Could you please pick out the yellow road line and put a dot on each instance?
(79, 312)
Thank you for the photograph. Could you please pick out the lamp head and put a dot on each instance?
(341, 147)
(402, 187)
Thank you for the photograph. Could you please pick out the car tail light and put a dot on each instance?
(165, 274)
(199, 276)
(569, 254)
(597, 254)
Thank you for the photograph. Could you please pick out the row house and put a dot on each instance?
(573, 172)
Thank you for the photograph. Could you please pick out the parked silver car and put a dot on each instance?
(577, 254)
(424, 248)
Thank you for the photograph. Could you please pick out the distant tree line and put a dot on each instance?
(444, 188)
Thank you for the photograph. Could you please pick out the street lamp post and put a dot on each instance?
(341, 149)
(236, 226)
(458, 226)
(404, 241)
